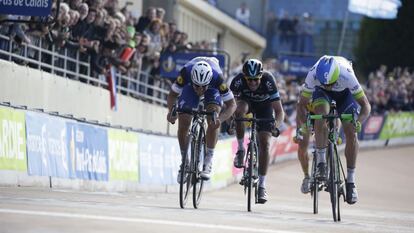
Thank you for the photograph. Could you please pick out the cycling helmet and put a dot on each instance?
(252, 68)
(327, 71)
(201, 73)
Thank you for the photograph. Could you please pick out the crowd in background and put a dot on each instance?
(112, 35)
(289, 34)
(107, 32)
(391, 90)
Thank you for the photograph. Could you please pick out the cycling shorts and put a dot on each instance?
(262, 110)
(345, 102)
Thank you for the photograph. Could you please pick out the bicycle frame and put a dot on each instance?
(335, 181)
(191, 174)
(251, 163)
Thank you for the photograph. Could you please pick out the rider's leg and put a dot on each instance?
(241, 110)
(212, 134)
(184, 122)
(351, 150)
(211, 140)
(303, 154)
(321, 106)
(264, 147)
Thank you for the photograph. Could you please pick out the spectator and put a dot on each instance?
(144, 21)
(271, 34)
(160, 13)
(243, 14)
(307, 34)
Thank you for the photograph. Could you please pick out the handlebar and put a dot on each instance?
(346, 117)
(255, 119)
(175, 110)
(274, 130)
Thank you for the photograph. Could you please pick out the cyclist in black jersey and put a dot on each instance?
(256, 92)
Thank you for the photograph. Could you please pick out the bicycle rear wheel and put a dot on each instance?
(333, 184)
(198, 154)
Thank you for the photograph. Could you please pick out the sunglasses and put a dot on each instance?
(200, 87)
(252, 79)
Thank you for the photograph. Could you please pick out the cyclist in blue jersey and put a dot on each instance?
(333, 78)
(256, 92)
(201, 76)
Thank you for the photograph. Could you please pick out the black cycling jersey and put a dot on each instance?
(266, 92)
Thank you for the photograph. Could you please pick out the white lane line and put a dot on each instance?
(140, 220)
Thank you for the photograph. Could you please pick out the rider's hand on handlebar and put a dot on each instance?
(300, 131)
(172, 117)
(358, 126)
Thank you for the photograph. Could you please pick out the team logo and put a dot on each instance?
(223, 87)
(180, 80)
(168, 65)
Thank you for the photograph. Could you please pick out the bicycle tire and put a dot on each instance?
(314, 187)
(249, 177)
(256, 173)
(184, 186)
(198, 183)
(333, 188)
(338, 184)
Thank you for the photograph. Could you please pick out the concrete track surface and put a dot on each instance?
(386, 204)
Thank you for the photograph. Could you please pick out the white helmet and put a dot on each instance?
(201, 74)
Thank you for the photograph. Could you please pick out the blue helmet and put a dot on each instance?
(327, 71)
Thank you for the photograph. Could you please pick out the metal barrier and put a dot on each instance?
(71, 64)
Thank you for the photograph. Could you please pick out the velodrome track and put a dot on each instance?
(386, 204)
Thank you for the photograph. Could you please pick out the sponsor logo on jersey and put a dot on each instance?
(180, 80)
(223, 87)
(269, 85)
(355, 88)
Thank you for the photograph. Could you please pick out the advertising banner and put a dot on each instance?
(172, 160)
(222, 161)
(372, 128)
(12, 140)
(47, 153)
(398, 125)
(172, 63)
(88, 150)
(25, 7)
(123, 155)
(151, 159)
(296, 65)
(283, 144)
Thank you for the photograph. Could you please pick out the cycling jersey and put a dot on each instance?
(259, 100)
(266, 92)
(346, 80)
(217, 82)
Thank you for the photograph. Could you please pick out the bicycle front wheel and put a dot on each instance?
(333, 184)
(185, 183)
(198, 153)
(252, 175)
(314, 186)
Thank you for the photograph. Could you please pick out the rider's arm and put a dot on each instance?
(365, 108)
(358, 94)
(301, 111)
(228, 99)
(230, 107)
(279, 113)
(171, 99)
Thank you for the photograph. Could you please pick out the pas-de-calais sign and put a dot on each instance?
(25, 7)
